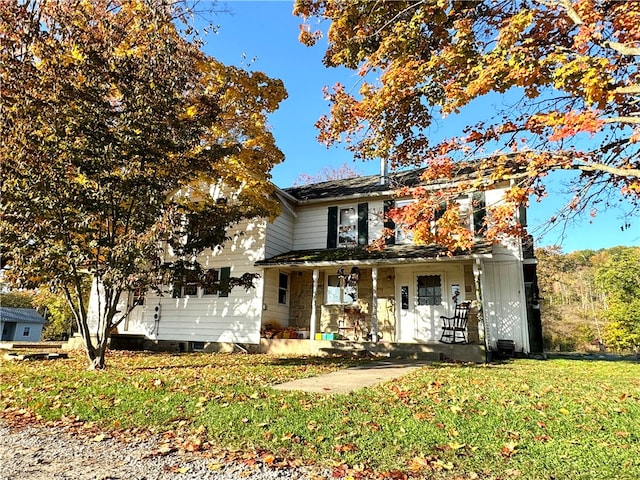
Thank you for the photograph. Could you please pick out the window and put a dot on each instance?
(283, 288)
(339, 292)
(188, 287)
(347, 227)
(429, 290)
(212, 285)
(26, 331)
(403, 237)
(217, 282)
(138, 296)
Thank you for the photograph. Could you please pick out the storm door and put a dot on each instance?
(428, 305)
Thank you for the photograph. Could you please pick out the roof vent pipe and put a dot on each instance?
(384, 174)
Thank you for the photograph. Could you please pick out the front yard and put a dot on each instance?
(522, 419)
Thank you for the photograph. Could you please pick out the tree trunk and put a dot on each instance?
(98, 361)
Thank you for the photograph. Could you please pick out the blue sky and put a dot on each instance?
(263, 35)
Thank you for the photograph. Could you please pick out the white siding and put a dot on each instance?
(274, 312)
(509, 246)
(311, 227)
(235, 318)
(504, 303)
(279, 234)
(311, 223)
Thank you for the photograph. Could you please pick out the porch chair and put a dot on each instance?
(452, 326)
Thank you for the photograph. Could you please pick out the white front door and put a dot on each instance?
(424, 302)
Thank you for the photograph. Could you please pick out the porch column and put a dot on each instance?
(314, 291)
(374, 304)
(482, 329)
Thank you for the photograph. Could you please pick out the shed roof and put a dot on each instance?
(392, 254)
(20, 315)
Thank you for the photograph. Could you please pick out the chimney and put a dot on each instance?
(384, 174)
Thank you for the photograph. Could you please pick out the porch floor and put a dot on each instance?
(433, 351)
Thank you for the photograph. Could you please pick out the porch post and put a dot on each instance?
(314, 291)
(374, 304)
(482, 324)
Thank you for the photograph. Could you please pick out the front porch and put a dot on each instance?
(434, 351)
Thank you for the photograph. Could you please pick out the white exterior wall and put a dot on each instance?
(505, 303)
(279, 234)
(210, 318)
(510, 246)
(311, 223)
(311, 227)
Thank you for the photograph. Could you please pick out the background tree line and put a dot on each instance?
(591, 298)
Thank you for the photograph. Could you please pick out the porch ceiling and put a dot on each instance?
(392, 254)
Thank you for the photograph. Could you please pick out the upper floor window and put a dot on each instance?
(471, 212)
(348, 226)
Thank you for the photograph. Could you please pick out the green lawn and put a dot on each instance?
(523, 419)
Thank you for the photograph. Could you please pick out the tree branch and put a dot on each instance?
(599, 167)
(622, 48)
(628, 89)
(631, 120)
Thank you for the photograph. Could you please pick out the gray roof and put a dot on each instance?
(355, 186)
(390, 254)
(371, 185)
(20, 315)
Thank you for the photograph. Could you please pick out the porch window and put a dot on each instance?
(429, 290)
(283, 288)
(340, 293)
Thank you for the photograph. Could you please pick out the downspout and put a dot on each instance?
(314, 292)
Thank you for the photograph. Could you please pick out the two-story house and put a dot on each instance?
(319, 283)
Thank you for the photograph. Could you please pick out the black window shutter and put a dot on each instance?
(363, 224)
(225, 273)
(479, 212)
(388, 223)
(332, 227)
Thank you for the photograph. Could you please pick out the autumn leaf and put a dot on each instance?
(509, 449)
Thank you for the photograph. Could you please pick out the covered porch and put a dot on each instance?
(385, 303)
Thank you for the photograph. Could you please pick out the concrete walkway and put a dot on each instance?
(353, 378)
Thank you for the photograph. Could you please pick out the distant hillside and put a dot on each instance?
(591, 298)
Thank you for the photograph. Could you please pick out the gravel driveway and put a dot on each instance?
(51, 453)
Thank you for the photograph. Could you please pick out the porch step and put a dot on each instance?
(435, 351)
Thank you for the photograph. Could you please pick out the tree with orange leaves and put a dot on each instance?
(570, 68)
(114, 127)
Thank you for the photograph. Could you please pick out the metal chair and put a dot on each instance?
(453, 327)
